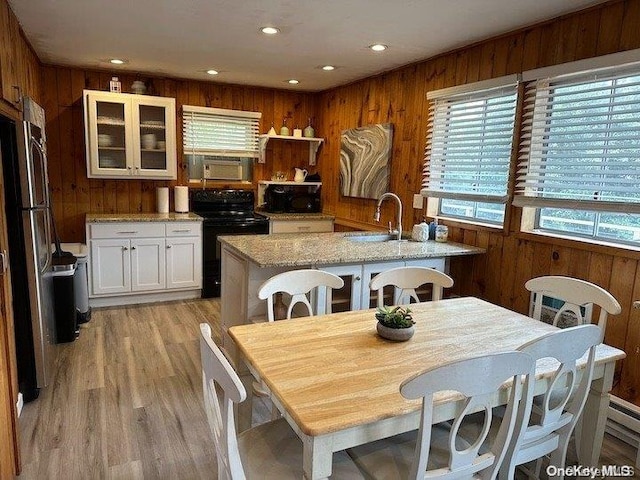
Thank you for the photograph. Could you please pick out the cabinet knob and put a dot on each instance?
(168, 246)
(357, 278)
(125, 248)
(128, 168)
(133, 248)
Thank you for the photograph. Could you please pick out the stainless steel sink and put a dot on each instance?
(381, 237)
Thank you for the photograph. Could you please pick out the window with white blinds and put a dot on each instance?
(468, 152)
(220, 132)
(580, 143)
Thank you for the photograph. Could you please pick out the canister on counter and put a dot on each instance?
(442, 233)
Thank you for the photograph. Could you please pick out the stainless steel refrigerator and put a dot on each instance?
(23, 150)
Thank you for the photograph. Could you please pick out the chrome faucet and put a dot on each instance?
(376, 216)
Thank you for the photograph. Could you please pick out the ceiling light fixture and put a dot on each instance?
(270, 30)
(378, 47)
(117, 61)
(293, 81)
(212, 72)
(328, 68)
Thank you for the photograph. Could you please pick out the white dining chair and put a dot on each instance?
(577, 295)
(438, 451)
(300, 284)
(270, 450)
(405, 280)
(549, 428)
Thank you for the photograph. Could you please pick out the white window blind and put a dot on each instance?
(580, 143)
(220, 132)
(468, 148)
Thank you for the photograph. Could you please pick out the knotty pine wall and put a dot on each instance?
(75, 195)
(399, 97)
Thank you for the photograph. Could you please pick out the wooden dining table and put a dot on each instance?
(337, 382)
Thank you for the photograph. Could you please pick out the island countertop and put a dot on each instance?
(311, 249)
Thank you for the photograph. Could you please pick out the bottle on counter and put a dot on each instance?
(442, 233)
(284, 130)
(432, 229)
(309, 132)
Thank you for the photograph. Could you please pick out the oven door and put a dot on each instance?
(212, 252)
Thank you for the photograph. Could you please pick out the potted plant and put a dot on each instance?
(395, 323)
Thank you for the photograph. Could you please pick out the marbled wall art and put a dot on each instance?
(365, 153)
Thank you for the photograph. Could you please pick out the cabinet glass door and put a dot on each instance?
(153, 137)
(111, 135)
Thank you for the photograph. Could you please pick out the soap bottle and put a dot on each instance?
(432, 229)
(309, 132)
(284, 131)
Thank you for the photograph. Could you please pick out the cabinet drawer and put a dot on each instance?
(127, 230)
(301, 226)
(183, 229)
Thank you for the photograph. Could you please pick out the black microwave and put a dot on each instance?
(292, 199)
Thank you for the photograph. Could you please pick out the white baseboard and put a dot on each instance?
(132, 299)
(20, 404)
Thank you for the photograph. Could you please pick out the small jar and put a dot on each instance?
(442, 233)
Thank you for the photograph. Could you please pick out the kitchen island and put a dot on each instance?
(249, 260)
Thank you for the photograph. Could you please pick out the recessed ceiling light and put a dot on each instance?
(378, 47)
(270, 30)
(117, 61)
(212, 72)
(293, 81)
(328, 68)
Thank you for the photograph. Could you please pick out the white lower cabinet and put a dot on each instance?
(184, 262)
(136, 262)
(356, 295)
(147, 264)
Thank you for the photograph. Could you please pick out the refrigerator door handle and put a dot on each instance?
(37, 145)
(3, 262)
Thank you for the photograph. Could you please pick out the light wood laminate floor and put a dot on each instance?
(126, 400)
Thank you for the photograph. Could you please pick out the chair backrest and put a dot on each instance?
(561, 404)
(405, 281)
(216, 370)
(575, 293)
(478, 379)
(299, 283)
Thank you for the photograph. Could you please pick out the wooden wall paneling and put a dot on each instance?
(610, 28)
(629, 37)
(524, 265)
(508, 270)
(620, 287)
(549, 40)
(587, 42)
(462, 65)
(493, 272)
(568, 39)
(530, 49)
(560, 261)
(473, 67)
(579, 263)
(480, 272)
(500, 56)
(515, 54)
(630, 375)
(542, 253)
(487, 53)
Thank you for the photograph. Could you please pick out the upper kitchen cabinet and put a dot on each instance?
(9, 40)
(130, 136)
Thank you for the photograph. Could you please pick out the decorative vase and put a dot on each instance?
(279, 308)
(309, 132)
(284, 130)
(395, 334)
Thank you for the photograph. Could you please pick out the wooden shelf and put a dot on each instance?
(114, 149)
(314, 145)
(289, 182)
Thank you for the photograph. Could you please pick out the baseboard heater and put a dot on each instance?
(623, 422)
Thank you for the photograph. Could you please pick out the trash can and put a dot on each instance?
(63, 271)
(80, 279)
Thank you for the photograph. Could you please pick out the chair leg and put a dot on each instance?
(275, 413)
(558, 457)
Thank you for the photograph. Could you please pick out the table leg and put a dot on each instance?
(244, 410)
(594, 418)
(317, 458)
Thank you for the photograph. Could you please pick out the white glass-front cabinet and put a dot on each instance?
(130, 136)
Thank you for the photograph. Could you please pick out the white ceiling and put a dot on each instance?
(183, 38)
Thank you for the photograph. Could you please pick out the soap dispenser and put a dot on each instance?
(284, 131)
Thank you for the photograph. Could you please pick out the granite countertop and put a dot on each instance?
(311, 249)
(295, 216)
(142, 217)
